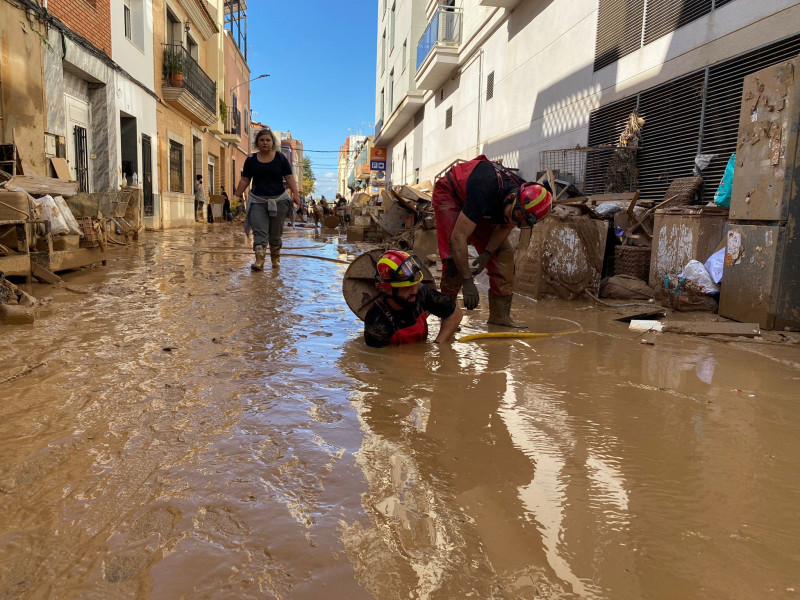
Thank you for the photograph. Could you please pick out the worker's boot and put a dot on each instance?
(261, 256)
(500, 311)
(275, 255)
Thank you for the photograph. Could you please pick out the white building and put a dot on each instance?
(513, 78)
(136, 128)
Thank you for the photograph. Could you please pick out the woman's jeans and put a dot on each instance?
(268, 228)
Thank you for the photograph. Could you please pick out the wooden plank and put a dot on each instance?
(713, 328)
(36, 185)
(61, 167)
(621, 197)
(43, 275)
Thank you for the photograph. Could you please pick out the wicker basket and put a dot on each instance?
(685, 189)
(632, 260)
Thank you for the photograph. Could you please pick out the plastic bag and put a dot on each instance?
(714, 265)
(696, 273)
(69, 218)
(50, 212)
(722, 197)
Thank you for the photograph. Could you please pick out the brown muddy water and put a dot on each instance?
(190, 429)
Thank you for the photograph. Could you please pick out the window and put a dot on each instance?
(391, 28)
(391, 91)
(175, 167)
(405, 54)
(383, 53)
(490, 86)
(127, 18)
(192, 47)
(381, 108)
(441, 94)
(448, 118)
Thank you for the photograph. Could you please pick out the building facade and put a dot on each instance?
(237, 132)
(187, 50)
(514, 79)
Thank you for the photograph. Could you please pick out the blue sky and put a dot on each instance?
(320, 55)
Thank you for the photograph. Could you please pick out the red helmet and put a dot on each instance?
(535, 201)
(397, 269)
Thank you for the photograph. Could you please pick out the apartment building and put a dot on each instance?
(515, 78)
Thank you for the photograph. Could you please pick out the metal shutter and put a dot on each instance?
(672, 114)
(718, 3)
(619, 30)
(665, 16)
(724, 99)
(605, 125)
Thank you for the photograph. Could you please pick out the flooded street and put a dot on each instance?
(191, 429)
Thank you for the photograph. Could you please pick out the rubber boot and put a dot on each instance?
(261, 256)
(275, 255)
(500, 312)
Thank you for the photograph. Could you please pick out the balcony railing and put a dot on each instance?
(181, 70)
(233, 122)
(444, 28)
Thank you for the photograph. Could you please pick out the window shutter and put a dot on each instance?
(605, 126)
(619, 30)
(724, 100)
(490, 86)
(665, 16)
(672, 114)
(448, 118)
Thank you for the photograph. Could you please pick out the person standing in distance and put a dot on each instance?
(268, 200)
(199, 198)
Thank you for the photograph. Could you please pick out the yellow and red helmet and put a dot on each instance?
(534, 203)
(397, 269)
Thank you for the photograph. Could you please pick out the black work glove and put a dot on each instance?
(481, 262)
(470, 293)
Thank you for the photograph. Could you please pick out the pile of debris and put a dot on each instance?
(401, 216)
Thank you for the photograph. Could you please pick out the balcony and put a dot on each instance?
(437, 50)
(187, 87)
(405, 111)
(509, 4)
(232, 128)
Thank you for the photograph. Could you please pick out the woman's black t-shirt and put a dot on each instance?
(266, 179)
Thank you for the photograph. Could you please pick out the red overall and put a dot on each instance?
(418, 332)
(449, 197)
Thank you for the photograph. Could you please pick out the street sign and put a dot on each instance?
(377, 158)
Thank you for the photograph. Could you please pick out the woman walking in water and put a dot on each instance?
(268, 201)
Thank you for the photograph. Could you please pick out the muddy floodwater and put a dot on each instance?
(187, 428)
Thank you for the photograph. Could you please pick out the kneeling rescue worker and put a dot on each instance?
(480, 202)
(400, 313)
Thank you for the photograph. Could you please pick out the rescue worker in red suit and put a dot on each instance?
(479, 202)
(400, 313)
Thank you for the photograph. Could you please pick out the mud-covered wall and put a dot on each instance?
(21, 85)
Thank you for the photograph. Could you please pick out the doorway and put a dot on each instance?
(78, 140)
(129, 147)
(147, 177)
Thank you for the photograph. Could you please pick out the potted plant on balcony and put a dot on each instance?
(173, 67)
(223, 110)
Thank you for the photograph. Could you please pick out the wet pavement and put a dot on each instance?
(190, 429)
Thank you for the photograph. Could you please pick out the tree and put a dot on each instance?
(309, 181)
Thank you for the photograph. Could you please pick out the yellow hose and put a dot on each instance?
(514, 335)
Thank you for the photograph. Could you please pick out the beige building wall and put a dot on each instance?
(22, 86)
(196, 139)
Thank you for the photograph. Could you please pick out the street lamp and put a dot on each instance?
(253, 79)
